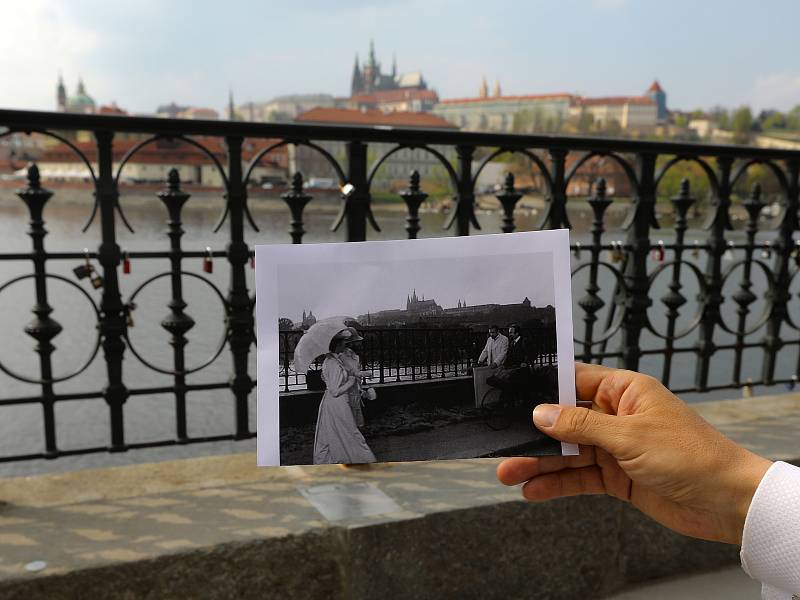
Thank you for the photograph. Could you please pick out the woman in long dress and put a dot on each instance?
(352, 363)
(337, 438)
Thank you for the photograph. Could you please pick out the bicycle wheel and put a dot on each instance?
(494, 407)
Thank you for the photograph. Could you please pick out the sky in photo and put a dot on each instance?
(352, 289)
(145, 53)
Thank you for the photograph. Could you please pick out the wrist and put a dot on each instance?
(748, 477)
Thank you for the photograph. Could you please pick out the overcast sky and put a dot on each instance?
(352, 289)
(144, 53)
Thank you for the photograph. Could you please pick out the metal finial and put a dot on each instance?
(297, 182)
(34, 178)
(508, 182)
(174, 180)
(755, 192)
(413, 181)
(600, 187)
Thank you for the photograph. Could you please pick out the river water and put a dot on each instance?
(83, 423)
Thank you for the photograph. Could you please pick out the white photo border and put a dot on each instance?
(269, 257)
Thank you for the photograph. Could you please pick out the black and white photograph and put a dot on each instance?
(412, 350)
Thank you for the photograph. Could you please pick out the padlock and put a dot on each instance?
(208, 262)
(253, 261)
(577, 251)
(126, 263)
(696, 250)
(97, 281)
(129, 308)
(728, 255)
(791, 384)
(747, 390)
(617, 253)
(766, 251)
(83, 271)
(658, 251)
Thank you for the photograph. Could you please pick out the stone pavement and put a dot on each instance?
(219, 527)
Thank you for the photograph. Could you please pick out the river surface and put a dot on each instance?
(82, 423)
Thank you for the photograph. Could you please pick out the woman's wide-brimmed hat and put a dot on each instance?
(317, 340)
(349, 334)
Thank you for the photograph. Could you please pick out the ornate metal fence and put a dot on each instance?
(419, 353)
(617, 316)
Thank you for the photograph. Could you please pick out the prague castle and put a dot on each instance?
(421, 310)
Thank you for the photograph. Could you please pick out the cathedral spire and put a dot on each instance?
(61, 93)
(394, 65)
(373, 62)
(357, 82)
(231, 108)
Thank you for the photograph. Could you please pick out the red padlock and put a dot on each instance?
(126, 263)
(208, 263)
(658, 252)
(253, 261)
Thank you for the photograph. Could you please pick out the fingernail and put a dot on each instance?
(545, 415)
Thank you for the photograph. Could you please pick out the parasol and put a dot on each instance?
(316, 341)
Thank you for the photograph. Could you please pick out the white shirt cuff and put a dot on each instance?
(771, 538)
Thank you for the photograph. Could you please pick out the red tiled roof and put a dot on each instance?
(615, 100)
(508, 98)
(655, 87)
(168, 152)
(396, 96)
(111, 110)
(373, 117)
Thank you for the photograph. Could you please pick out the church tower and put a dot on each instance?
(483, 91)
(497, 93)
(357, 83)
(61, 95)
(659, 96)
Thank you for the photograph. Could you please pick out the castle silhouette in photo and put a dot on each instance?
(422, 311)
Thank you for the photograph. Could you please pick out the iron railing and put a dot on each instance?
(617, 316)
(419, 354)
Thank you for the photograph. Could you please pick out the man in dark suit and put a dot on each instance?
(517, 355)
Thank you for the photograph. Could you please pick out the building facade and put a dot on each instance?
(395, 171)
(152, 163)
(547, 112)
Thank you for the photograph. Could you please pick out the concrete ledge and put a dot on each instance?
(221, 528)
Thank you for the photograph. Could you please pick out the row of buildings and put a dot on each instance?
(378, 96)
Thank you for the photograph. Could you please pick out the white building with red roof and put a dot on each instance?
(497, 112)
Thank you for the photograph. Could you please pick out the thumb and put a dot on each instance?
(579, 426)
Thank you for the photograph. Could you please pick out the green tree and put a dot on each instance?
(742, 124)
(774, 120)
(793, 119)
(721, 116)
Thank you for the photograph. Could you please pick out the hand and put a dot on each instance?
(493, 365)
(644, 446)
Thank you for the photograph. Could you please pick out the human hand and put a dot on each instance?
(493, 365)
(643, 445)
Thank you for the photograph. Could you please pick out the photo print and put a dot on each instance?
(412, 349)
